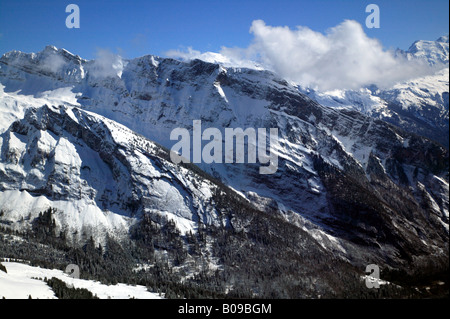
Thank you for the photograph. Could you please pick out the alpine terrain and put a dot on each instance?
(86, 178)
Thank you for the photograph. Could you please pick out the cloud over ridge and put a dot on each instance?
(342, 58)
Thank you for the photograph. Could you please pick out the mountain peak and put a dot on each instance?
(50, 48)
(434, 52)
(443, 39)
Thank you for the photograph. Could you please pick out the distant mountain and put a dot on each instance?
(90, 140)
(434, 52)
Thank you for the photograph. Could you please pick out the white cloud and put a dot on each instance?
(106, 64)
(342, 58)
(53, 62)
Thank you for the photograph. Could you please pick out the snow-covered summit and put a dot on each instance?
(434, 52)
(443, 39)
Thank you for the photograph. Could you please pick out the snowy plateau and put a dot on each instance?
(86, 178)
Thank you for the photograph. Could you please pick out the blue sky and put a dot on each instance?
(135, 28)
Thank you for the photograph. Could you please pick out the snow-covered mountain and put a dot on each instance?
(434, 52)
(419, 105)
(91, 138)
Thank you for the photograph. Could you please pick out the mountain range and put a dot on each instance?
(362, 176)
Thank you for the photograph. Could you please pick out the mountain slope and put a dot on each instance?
(97, 167)
(207, 228)
(21, 281)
